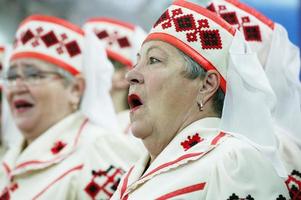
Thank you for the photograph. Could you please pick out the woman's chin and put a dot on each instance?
(140, 129)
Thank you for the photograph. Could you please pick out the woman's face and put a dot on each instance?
(36, 107)
(161, 99)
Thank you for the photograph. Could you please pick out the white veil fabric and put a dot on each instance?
(97, 104)
(248, 101)
(282, 69)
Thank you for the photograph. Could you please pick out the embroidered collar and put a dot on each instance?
(174, 155)
(51, 147)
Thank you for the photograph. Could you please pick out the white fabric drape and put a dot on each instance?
(97, 104)
(248, 101)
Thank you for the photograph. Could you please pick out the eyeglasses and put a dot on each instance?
(29, 76)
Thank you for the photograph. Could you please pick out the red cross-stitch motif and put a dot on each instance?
(195, 30)
(112, 38)
(5, 194)
(191, 141)
(293, 183)
(251, 33)
(104, 183)
(57, 147)
(50, 40)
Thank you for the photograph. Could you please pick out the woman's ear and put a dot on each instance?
(77, 88)
(209, 86)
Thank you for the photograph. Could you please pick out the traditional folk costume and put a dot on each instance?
(281, 61)
(75, 158)
(212, 158)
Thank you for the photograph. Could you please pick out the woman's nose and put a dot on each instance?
(134, 77)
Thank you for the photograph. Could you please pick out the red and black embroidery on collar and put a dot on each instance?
(235, 197)
(5, 194)
(249, 197)
(104, 183)
(293, 184)
(191, 141)
(195, 30)
(57, 147)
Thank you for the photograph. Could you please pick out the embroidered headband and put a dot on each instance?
(199, 33)
(51, 39)
(122, 40)
(256, 28)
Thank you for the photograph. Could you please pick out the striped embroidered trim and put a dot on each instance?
(79, 167)
(125, 182)
(33, 162)
(217, 138)
(181, 191)
(7, 168)
(184, 157)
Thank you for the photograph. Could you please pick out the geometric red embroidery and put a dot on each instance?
(123, 42)
(293, 184)
(191, 141)
(57, 147)
(245, 19)
(230, 17)
(185, 23)
(49, 39)
(5, 194)
(104, 183)
(162, 18)
(102, 34)
(72, 48)
(252, 33)
(28, 35)
(209, 39)
(235, 197)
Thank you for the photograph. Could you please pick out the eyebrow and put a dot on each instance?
(154, 47)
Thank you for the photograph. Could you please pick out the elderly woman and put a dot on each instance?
(281, 61)
(62, 155)
(177, 96)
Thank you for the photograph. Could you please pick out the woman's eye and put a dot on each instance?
(35, 75)
(153, 60)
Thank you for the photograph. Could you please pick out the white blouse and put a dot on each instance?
(203, 163)
(72, 160)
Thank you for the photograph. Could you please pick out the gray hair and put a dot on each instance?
(194, 70)
(67, 76)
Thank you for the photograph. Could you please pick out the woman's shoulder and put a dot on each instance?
(243, 171)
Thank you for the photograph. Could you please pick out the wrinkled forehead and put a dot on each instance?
(30, 63)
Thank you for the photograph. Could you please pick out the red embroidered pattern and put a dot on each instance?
(293, 184)
(251, 33)
(104, 182)
(122, 41)
(50, 39)
(57, 147)
(191, 141)
(5, 194)
(210, 39)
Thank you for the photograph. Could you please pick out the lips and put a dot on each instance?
(22, 105)
(134, 102)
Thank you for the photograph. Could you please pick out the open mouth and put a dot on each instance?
(22, 105)
(134, 102)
